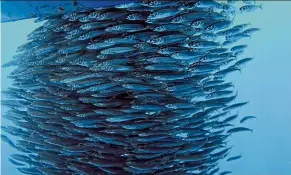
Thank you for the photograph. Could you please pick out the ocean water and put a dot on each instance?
(265, 83)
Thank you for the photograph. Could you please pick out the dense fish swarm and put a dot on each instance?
(138, 88)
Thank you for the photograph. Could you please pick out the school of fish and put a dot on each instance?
(139, 88)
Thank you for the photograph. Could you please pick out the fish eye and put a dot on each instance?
(93, 14)
(116, 27)
(176, 54)
(170, 88)
(158, 28)
(197, 23)
(198, 44)
(162, 28)
(151, 40)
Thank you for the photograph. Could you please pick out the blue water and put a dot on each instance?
(265, 83)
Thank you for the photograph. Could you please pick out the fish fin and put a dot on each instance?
(236, 93)
(239, 70)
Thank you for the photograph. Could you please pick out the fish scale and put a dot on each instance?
(129, 89)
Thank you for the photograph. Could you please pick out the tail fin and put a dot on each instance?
(239, 69)
(261, 6)
(236, 93)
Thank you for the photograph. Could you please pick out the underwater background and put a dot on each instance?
(265, 83)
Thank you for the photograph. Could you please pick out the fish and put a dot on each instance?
(98, 46)
(237, 37)
(234, 158)
(250, 31)
(186, 55)
(110, 15)
(117, 50)
(238, 48)
(139, 125)
(188, 17)
(136, 17)
(250, 8)
(214, 171)
(31, 171)
(160, 3)
(224, 72)
(15, 162)
(8, 141)
(219, 93)
(72, 49)
(170, 27)
(202, 44)
(232, 31)
(234, 106)
(21, 158)
(241, 26)
(249, 1)
(225, 173)
(208, 4)
(164, 67)
(242, 62)
(168, 39)
(116, 41)
(230, 118)
(191, 158)
(127, 5)
(96, 25)
(244, 119)
(91, 34)
(163, 13)
(130, 88)
(239, 129)
(125, 28)
(218, 26)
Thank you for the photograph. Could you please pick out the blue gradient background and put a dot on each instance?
(265, 83)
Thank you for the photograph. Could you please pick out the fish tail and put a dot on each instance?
(239, 70)
(236, 93)
(261, 6)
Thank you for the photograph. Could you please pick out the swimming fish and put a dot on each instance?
(247, 118)
(234, 158)
(129, 88)
(250, 8)
(239, 129)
